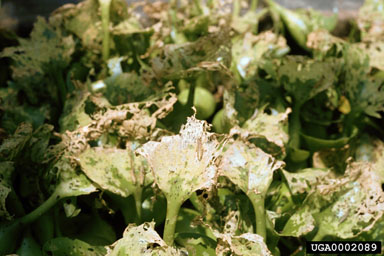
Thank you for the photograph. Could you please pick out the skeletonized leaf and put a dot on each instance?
(343, 207)
(183, 163)
(358, 208)
(141, 240)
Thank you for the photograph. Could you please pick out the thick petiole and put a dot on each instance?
(35, 214)
(173, 208)
(295, 126)
(138, 197)
(258, 206)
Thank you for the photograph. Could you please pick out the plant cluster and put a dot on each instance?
(191, 128)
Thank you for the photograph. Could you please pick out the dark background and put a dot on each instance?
(21, 14)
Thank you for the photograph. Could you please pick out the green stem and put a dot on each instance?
(254, 4)
(236, 8)
(138, 197)
(105, 5)
(173, 208)
(258, 206)
(191, 95)
(35, 214)
(196, 202)
(349, 120)
(295, 126)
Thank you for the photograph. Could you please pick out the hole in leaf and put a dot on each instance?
(199, 192)
(129, 115)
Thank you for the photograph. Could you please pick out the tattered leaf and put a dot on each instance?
(142, 240)
(304, 78)
(270, 128)
(244, 245)
(183, 163)
(358, 208)
(250, 52)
